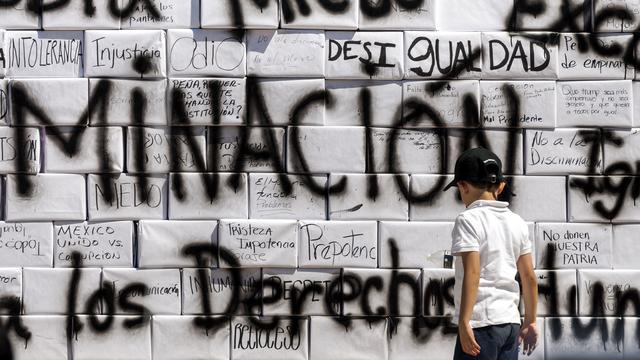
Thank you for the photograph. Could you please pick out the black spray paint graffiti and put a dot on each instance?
(89, 8)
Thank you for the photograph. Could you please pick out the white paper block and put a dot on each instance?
(631, 341)
(354, 203)
(26, 244)
(18, 17)
(3, 83)
(58, 19)
(624, 243)
(447, 101)
(282, 96)
(498, 142)
(90, 155)
(336, 244)
(319, 15)
(614, 206)
(119, 102)
(9, 146)
(44, 53)
(219, 14)
(560, 151)
(536, 100)
(48, 339)
(629, 149)
(577, 246)
(99, 243)
(363, 340)
(513, 56)
(173, 14)
(595, 103)
(565, 280)
(443, 206)
(122, 342)
(163, 289)
(61, 100)
(161, 243)
(538, 352)
(175, 336)
(54, 285)
(548, 19)
(197, 98)
(574, 64)
(528, 202)
(408, 145)
(582, 344)
(219, 284)
(157, 143)
(443, 279)
(414, 249)
(10, 286)
(128, 201)
(463, 15)
(403, 344)
(346, 97)
(225, 143)
(194, 52)
(437, 54)
(4, 94)
(268, 200)
(229, 201)
(288, 53)
(249, 342)
(636, 100)
(611, 281)
(419, 16)
(53, 197)
(614, 24)
(327, 149)
(114, 53)
(290, 280)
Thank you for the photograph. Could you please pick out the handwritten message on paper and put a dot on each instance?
(534, 99)
(560, 151)
(595, 103)
(576, 245)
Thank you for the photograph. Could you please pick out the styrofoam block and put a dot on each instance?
(120, 102)
(514, 56)
(48, 339)
(447, 101)
(631, 341)
(603, 204)
(53, 197)
(624, 239)
(44, 53)
(195, 52)
(636, 101)
(560, 151)
(62, 100)
(5, 115)
(577, 343)
(54, 285)
(282, 96)
(157, 143)
(528, 203)
(10, 286)
(577, 64)
(290, 280)
(335, 244)
(319, 15)
(444, 206)
(102, 18)
(565, 280)
(267, 199)
(175, 336)
(163, 289)
(289, 53)
(414, 249)
(420, 15)
(551, 15)
(127, 202)
(225, 142)
(18, 17)
(614, 24)
(161, 243)
(408, 146)
(439, 277)
(577, 246)
(26, 244)
(197, 98)
(99, 243)
(327, 149)
(595, 103)
(260, 243)
(611, 281)
(219, 14)
(498, 141)
(122, 342)
(363, 340)
(250, 342)
(347, 96)
(617, 154)
(354, 203)
(364, 55)
(437, 54)
(3, 70)
(115, 53)
(90, 155)
(228, 202)
(9, 146)
(463, 15)
(220, 285)
(403, 344)
(173, 14)
(536, 100)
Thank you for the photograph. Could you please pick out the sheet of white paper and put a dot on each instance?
(319, 15)
(61, 100)
(120, 102)
(53, 197)
(403, 344)
(512, 56)
(603, 204)
(447, 101)
(349, 96)
(550, 17)
(18, 17)
(163, 289)
(48, 339)
(128, 201)
(354, 203)
(101, 244)
(437, 283)
(225, 145)
(419, 15)
(614, 283)
(528, 204)
(576, 245)
(250, 342)
(220, 14)
(230, 201)
(564, 280)
(576, 64)
(415, 250)
(560, 151)
(287, 53)
(53, 285)
(481, 15)
(536, 100)
(121, 342)
(32, 54)
(408, 145)
(326, 149)
(175, 336)
(198, 96)
(364, 340)
(438, 205)
(624, 246)
(578, 343)
(614, 24)
(102, 18)
(220, 285)
(8, 149)
(268, 199)
(26, 244)
(91, 153)
(499, 141)
(174, 14)
(10, 287)
(595, 103)
(281, 97)
(157, 143)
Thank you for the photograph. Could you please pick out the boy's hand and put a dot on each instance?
(528, 335)
(468, 339)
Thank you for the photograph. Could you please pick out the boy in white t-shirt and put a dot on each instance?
(490, 244)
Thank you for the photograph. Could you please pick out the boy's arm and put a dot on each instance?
(529, 287)
(470, 283)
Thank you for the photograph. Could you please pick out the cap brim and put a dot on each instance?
(452, 183)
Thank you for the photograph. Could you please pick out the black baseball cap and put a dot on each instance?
(478, 165)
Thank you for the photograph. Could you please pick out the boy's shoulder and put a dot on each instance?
(479, 213)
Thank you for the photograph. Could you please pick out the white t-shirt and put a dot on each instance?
(501, 236)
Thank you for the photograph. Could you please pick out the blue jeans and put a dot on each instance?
(497, 342)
